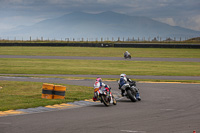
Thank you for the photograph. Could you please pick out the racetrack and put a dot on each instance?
(165, 108)
(104, 58)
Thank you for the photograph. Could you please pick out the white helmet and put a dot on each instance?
(123, 75)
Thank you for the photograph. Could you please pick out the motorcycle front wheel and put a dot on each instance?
(131, 96)
(114, 101)
(105, 100)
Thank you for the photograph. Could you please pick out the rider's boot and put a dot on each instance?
(123, 93)
(94, 99)
(138, 96)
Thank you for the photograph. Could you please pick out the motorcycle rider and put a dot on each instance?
(123, 82)
(99, 84)
(126, 54)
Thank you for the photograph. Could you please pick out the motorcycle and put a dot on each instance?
(130, 91)
(127, 56)
(105, 96)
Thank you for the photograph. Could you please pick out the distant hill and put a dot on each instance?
(106, 25)
(194, 39)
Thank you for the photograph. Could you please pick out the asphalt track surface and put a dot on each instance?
(165, 108)
(103, 58)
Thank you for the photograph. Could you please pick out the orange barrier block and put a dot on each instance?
(47, 91)
(59, 92)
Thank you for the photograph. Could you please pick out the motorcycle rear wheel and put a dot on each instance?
(131, 96)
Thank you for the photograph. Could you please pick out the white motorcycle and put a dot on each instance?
(105, 96)
(130, 91)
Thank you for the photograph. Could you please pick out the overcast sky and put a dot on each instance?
(184, 13)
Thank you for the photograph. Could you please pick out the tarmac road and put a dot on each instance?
(166, 108)
(103, 58)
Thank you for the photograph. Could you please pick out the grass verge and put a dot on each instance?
(102, 52)
(104, 67)
(17, 95)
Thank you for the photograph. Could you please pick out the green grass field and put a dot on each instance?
(95, 67)
(101, 52)
(16, 95)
